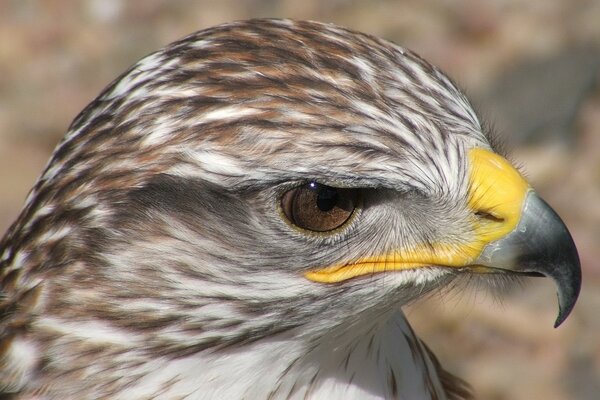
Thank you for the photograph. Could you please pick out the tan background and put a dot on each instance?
(532, 68)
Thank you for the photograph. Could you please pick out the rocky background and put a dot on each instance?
(532, 68)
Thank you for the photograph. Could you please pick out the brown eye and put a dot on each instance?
(317, 207)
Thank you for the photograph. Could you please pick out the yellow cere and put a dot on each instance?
(497, 192)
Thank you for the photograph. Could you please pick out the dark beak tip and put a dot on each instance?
(568, 292)
(563, 313)
(560, 319)
(562, 316)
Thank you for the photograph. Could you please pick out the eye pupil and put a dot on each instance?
(327, 198)
(317, 207)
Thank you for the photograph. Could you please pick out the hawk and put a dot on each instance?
(243, 213)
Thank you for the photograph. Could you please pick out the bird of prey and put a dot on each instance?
(243, 213)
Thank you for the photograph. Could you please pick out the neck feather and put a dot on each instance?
(383, 360)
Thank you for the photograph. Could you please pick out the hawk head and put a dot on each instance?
(242, 213)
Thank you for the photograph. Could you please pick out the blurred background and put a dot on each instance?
(532, 68)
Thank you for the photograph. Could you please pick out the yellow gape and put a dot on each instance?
(497, 192)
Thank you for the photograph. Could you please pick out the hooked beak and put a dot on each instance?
(540, 244)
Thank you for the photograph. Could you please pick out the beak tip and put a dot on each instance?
(562, 316)
(567, 296)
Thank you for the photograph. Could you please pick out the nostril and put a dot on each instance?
(488, 216)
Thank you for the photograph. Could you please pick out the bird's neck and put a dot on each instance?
(384, 360)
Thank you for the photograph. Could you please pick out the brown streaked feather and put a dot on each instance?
(455, 388)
